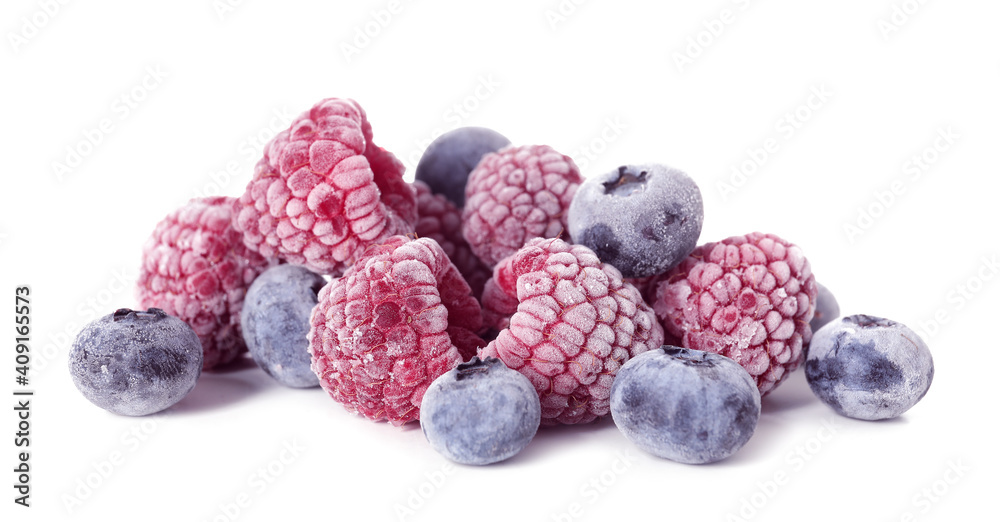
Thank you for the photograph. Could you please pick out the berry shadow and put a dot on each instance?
(239, 364)
(550, 440)
(778, 409)
(895, 421)
(792, 394)
(224, 387)
(762, 446)
(408, 427)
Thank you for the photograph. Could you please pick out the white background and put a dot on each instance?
(603, 79)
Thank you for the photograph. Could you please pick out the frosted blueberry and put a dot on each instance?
(685, 405)
(448, 160)
(643, 219)
(827, 308)
(481, 412)
(868, 368)
(275, 322)
(135, 363)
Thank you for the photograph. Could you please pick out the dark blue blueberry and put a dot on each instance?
(868, 368)
(275, 323)
(827, 308)
(642, 219)
(447, 162)
(685, 405)
(481, 412)
(135, 363)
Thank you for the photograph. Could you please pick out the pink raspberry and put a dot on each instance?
(749, 298)
(323, 191)
(516, 194)
(398, 318)
(195, 267)
(388, 171)
(645, 285)
(576, 322)
(440, 220)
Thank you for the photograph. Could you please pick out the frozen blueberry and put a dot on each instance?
(642, 219)
(275, 322)
(827, 308)
(481, 412)
(685, 405)
(447, 162)
(135, 363)
(868, 368)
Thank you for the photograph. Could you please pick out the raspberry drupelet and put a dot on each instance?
(514, 195)
(323, 191)
(441, 220)
(749, 298)
(573, 323)
(398, 318)
(196, 267)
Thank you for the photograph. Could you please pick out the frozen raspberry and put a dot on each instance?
(516, 194)
(440, 220)
(323, 191)
(499, 304)
(645, 285)
(576, 322)
(398, 318)
(749, 298)
(196, 267)
(388, 171)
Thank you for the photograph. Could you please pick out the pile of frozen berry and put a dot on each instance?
(500, 291)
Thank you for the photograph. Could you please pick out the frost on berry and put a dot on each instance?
(574, 324)
(516, 194)
(398, 318)
(196, 267)
(440, 220)
(749, 298)
(323, 191)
